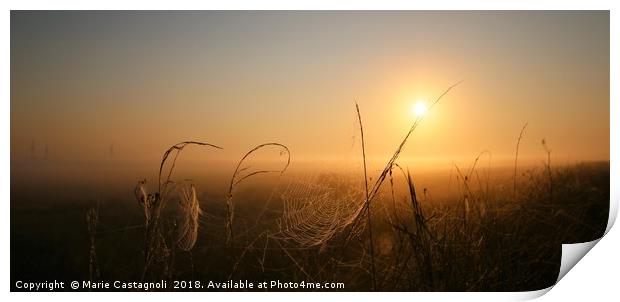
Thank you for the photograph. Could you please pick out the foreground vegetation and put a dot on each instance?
(371, 232)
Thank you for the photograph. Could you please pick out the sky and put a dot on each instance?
(82, 82)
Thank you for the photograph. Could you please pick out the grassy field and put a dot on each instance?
(476, 228)
(220, 146)
(313, 227)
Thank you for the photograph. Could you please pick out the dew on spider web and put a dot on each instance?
(316, 209)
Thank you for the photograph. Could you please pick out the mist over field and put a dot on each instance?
(383, 151)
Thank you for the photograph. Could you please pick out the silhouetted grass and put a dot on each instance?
(501, 233)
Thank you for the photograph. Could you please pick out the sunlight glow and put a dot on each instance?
(420, 108)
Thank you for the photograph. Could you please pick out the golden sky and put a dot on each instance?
(142, 81)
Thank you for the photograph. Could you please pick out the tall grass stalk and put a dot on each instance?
(384, 173)
(514, 184)
(366, 202)
(92, 219)
(548, 169)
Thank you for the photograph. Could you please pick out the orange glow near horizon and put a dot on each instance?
(239, 79)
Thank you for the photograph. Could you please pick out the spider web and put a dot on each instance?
(316, 209)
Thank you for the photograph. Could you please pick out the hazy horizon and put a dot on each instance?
(89, 86)
(214, 146)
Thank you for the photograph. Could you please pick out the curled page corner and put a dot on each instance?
(613, 212)
(572, 253)
(531, 295)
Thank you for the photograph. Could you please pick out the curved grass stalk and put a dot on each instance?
(239, 177)
(152, 204)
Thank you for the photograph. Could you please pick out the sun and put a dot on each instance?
(419, 109)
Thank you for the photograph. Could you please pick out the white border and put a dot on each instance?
(600, 270)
